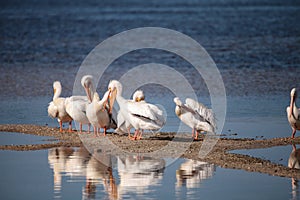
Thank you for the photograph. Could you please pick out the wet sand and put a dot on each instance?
(219, 155)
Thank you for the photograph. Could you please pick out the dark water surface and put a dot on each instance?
(255, 44)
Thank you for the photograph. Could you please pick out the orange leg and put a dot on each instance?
(60, 126)
(70, 127)
(89, 127)
(140, 135)
(129, 136)
(95, 131)
(197, 133)
(104, 131)
(80, 127)
(136, 133)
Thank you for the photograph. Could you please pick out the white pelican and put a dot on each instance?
(123, 125)
(140, 115)
(293, 113)
(76, 108)
(57, 109)
(97, 111)
(196, 116)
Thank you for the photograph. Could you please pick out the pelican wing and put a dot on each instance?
(161, 120)
(202, 111)
(78, 98)
(141, 110)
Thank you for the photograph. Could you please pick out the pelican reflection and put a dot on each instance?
(191, 173)
(294, 163)
(138, 173)
(78, 163)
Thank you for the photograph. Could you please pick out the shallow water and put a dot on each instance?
(64, 173)
(251, 117)
(279, 155)
(10, 138)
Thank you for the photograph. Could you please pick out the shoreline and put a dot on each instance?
(219, 155)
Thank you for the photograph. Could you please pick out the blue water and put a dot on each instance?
(251, 117)
(72, 173)
(252, 42)
(10, 138)
(279, 154)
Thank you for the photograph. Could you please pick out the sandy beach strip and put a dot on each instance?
(219, 155)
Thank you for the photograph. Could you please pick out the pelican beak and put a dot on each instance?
(88, 93)
(112, 98)
(107, 100)
(54, 90)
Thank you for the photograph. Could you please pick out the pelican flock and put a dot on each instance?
(196, 116)
(136, 112)
(293, 113)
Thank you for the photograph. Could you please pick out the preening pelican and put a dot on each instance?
(140, 115)
(76, 108)
(57, 109)
(293, 113)
(97, 111)
(123, 124)
(196, 116)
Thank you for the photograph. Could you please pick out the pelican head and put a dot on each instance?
(138, 96)
(178, 106)
(294, 92)
(87, 84)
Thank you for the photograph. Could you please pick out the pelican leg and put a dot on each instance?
(80, 127)
(197, 133)
(140, 135)
(193, 132)
(89, 127)
(60, 126)
(294, 132)
(70, 127)
(95, 131)
(129, 136)
(136, 132)
(104, 131)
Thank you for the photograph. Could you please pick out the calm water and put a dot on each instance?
(280, 154)
(10, 138)
(72, 173)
